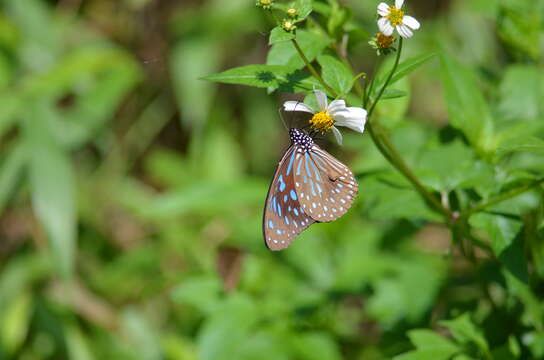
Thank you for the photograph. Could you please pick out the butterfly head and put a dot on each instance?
(300, 139)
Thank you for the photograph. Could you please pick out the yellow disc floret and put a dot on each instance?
(322, 121)
(395, 16)
(292, 12)
(383, 41)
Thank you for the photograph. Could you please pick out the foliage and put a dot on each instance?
(132, 183)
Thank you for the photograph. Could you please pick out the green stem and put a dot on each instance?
(312, 69)
(500, 198)
(388, 80)
(393, 154)
(382, 142)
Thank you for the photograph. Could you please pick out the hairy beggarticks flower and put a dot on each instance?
(265, 4)
(288, 25)
(292, 12)
(331, 115)
(392, 17)
(382, 43)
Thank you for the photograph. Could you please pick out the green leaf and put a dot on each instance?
(191, 59)
(521, 92)
(519, 28)
(446, 167)
(387, 199)
(15, 322)
(278, 35)
(429, 346)
(467, 108)
(393, 94)
(409, 65)
(285, 78)
(284, 53)
(10, 172)
(335, 74)
(304, 8)
(52, 189)
(228, 328)
(526, 144)
(316, 346)
(464, 331)
(404, 68)
(203, 292)
(501, 230)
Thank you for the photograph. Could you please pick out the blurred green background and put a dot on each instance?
(131, 192)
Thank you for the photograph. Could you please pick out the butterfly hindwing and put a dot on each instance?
(326, 187)
(283, 217)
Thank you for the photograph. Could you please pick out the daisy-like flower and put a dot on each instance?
(329, 115)
(392, 17)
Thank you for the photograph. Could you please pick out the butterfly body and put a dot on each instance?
(309, 186)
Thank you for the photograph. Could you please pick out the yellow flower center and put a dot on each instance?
(265, 2)
(288, 25)
(292, 12)
(322, 121)
(395, 16)
(384, 41)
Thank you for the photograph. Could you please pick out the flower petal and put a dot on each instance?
(353, 118)
(336, 105)
(405, 31)
(337, 135)
(385, 26)
(399, 3)
(297, 106)
(321, 98)
(383, 9)
(411, 22)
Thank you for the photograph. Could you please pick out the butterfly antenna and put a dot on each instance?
(283, 120)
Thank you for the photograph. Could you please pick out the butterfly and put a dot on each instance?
(309, 186)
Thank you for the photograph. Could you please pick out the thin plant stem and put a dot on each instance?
(382, 142)
(313, 70)
(502, 197)
(388, 80)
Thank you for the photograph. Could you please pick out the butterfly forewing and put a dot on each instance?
(284, 217)
(325, 186)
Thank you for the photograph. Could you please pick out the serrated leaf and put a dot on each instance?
(464, 331)
(335, 74)
(304, 8)
(467, 108)
(278, 35)
(285, 78)
(501, 230)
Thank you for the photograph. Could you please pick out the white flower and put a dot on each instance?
(329, 115)
(392, 17)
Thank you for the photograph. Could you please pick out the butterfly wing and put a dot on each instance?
(325, 186)
(283, 217)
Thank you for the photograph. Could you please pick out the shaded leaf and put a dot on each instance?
(335, 73)
(467, 108)
(286, 78)
(278, 35)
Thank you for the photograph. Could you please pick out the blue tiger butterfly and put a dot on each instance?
(309, 186)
